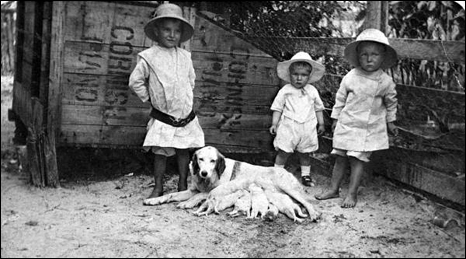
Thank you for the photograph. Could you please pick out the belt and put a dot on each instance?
(170, 120)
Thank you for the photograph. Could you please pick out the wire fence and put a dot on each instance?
(430, 85)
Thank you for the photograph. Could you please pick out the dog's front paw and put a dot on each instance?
(314, 215)
(206, 208)
(154, 201)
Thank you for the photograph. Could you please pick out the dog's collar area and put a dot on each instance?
(235, 169)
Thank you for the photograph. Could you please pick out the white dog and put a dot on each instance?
(213, 176)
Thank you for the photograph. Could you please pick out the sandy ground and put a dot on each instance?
(97, 214)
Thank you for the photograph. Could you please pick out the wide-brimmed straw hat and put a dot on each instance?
(371, 35)
(169, 11)
(283, 68)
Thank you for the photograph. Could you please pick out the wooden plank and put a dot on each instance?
(226, 107)
(104, 115)
(445, 51)
(245, 94)
(134, 116)
(419, 102)
(35, 131)
(237, 68)
(29, 32)
(235, 122)
(101, 90)
(50, 161)
(27, 75)
(247, 138)
(22, 103)
(99, 58)
(102, 59)
(431, 181)
(106, 22)
(56, 67)
(50, 87)
(95, 135)
(45, 50)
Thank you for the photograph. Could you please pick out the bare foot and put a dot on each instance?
(155, 193)
(327, 195)
(350, 201)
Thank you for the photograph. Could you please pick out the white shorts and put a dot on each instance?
(361, 155)
(164, 151)
(292, 136)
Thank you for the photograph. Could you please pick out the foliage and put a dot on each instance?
(430, 20)
(437, 20)
(281, 18)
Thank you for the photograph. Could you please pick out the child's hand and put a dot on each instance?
(320, 129)
(273, 129)
(392, 128)
(334, 124)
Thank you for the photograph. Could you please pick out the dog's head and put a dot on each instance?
(207, 163)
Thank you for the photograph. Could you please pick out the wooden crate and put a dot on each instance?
(75, 59)
(235, 82)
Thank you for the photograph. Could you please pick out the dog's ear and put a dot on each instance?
(194, 164)
(220, 166)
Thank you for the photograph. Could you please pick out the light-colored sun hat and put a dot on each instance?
(371, 35)
(169, 11)
(283, 68)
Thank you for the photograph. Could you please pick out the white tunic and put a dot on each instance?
(166, 78)
(365, 103)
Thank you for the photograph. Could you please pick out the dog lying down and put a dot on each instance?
(218, 183)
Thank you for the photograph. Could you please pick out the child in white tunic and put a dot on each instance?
(365, 109)
(164, 76)
(297, 110)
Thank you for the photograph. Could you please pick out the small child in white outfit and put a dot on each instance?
(297, 116)
(164, 76)
(364, 111)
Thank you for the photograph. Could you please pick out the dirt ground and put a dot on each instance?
(98, 212)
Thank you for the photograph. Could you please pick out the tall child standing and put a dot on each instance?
(365, 108)
(164, 76)
(297, 116)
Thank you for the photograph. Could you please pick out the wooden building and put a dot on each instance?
(71, 85)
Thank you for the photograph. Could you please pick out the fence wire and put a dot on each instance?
(431, 93)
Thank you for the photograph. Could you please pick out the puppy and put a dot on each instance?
(242, 206)
(259, 202)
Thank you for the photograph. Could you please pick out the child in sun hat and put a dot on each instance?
(365, 109)
(297, 116)
(164, 76)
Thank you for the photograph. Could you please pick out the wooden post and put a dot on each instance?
(55, 75)
(377, 16)
(35, 132)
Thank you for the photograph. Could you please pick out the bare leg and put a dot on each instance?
(282, 157)
(357, 171)
(183, 167)
(160, 164)
(304, 159)
(339, 170)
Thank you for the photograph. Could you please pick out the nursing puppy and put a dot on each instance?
(213, 176)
